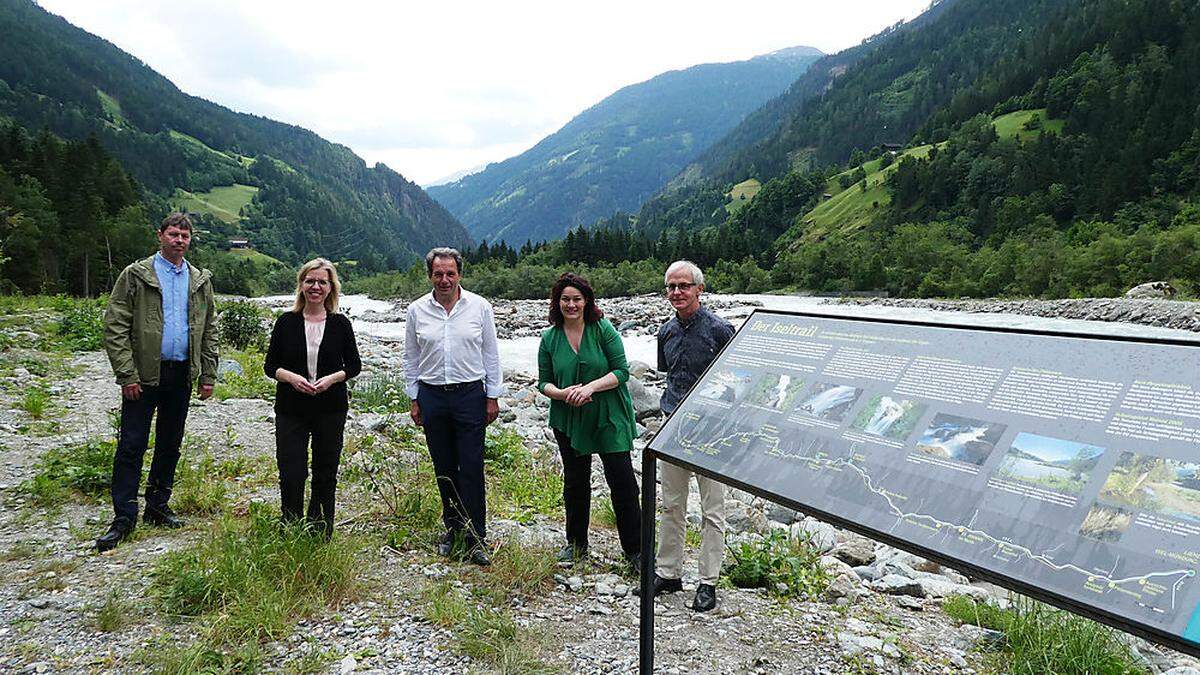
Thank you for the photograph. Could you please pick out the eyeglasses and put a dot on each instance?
(671, 288)
(316, 282)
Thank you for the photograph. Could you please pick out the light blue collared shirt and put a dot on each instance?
(174, 282)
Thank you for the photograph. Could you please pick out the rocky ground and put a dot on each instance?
(881, 614)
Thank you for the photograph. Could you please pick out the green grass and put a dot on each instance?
(82, 470)
(34, 402)
(1041, 639)
(852, 209)
(1013, 124)
(251, 383)
(111, 107)
(224, 201)
(741, 194)
(487, 634)
(257, 257)
(114, 614)
(398, 475)
(519, 486)
(248, 581)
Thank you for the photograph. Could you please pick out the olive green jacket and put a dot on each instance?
(133, 325)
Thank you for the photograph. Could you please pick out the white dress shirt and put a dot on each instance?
(452, 347)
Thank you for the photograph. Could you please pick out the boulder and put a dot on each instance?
(822, 536)
(894, 584)
(645, 399)
(856, 551)
(638, 369)
(227, 367)
(1153, 289)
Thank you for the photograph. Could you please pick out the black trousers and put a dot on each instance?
(170, 399)
(292, 434)
(455, 421)
(577, 495)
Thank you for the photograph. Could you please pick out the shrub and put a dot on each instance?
(82, 324)
(519, 485)
(241, 325)
(783, 565)
(403, 484)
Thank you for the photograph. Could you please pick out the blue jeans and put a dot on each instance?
(170, 399)
(455, 419)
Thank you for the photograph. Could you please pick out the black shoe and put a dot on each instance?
(445, 545)
(661, 585)
(162, 516)
(478, 556)
(118, 532)
(706, 598)
(571, 554)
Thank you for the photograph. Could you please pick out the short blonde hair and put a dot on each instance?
(335, 286)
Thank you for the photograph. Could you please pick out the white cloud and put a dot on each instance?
(429, 88)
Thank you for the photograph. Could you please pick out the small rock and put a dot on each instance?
(908, 602)
(348, 664)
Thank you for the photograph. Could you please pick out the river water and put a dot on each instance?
(521, 353)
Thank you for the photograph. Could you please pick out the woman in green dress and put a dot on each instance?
(582, 369)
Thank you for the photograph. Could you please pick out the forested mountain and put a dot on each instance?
(298, 195)
(618, 152)
(1025, 147)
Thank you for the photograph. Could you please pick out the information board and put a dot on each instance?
(1064, 466)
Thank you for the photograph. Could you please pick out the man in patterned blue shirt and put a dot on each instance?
(160, 335)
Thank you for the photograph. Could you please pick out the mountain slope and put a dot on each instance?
(619, 152)
(315, 197)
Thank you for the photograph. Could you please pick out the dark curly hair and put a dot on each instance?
(591, 313)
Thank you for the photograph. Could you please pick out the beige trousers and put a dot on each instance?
(674, 521)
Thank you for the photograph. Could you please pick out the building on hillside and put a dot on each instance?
(238, 243)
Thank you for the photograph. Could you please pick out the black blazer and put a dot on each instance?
(289, 350)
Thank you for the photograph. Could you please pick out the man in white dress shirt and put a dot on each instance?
(452, 374)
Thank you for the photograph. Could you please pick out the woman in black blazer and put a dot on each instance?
(311, 355)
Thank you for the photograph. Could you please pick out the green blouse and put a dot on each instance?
(606, 423)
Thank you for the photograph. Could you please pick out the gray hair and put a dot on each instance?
(689, 266)
(443, 252)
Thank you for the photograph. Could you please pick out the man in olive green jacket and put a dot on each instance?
(160, 335)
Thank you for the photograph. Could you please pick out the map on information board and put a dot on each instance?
(1063, 463)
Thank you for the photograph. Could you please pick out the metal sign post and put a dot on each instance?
(646, 610)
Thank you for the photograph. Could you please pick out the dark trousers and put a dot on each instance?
(170, 399)
(577, 495)
(455, 421)
(292, 434)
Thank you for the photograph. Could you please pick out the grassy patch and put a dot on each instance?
(81, 327)
(114, 614)
(487, 634)
(603, 513)
(519, 486)
(785, 566)
(518, 570)
(224, 201)
(200, 487)
(1041, 639)
(250, 383)
(34, 402)
(402, 484)
(383, 393)
(83, 470)
(249, 581)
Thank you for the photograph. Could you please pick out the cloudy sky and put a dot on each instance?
(431, 88)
